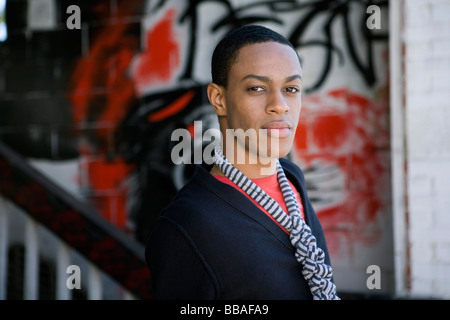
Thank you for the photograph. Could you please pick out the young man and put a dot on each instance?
(243, 228)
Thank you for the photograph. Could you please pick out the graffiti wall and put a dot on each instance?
(107, 96)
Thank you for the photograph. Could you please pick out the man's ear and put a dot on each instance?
(216, 96)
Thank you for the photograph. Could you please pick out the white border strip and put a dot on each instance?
(398, 150)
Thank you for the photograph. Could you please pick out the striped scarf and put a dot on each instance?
(308, 254)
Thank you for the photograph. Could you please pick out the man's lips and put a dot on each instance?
(278, 129)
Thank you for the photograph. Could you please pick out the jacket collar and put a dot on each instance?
(245, 206)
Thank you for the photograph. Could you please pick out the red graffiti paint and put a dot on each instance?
(330, 131)
(161, 58)
(100, 80)
(301, 135)
(172, 108)
(341, 144)
(104, 90)
(102, 93)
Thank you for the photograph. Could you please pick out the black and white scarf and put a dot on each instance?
(315, 271)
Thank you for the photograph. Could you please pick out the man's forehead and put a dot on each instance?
(260, 51)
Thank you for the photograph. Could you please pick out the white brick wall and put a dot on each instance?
(426, 38)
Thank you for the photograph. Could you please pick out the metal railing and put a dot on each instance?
(49, 225)
(19, 231)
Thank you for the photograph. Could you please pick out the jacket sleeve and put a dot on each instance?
(178, 270)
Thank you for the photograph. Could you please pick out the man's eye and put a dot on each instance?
(292, 89)
(255, 89)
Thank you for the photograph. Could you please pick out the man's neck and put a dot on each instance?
(263, 167)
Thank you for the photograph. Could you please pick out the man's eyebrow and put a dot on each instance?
(254, 76)
(267, 79)
(295, 76)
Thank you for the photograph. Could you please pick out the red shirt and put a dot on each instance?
(271, 186)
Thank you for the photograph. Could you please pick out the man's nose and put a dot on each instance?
(277, 103)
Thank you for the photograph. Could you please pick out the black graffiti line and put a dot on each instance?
(327, 66)
(298, 31)
(366, 71)
(191, 13)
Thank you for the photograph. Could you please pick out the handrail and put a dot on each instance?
(74, 222)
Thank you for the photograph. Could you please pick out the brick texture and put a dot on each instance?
(427, 61)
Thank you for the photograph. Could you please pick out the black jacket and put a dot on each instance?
(212, 242)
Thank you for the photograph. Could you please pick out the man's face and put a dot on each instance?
(264, 92)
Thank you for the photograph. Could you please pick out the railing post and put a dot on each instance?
(20, 176)
(31, 283)
(62, 262)
(4, 224)
(95, 289)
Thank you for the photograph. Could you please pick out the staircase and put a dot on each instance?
(75, 226)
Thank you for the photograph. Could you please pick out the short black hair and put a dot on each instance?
(227, 49)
